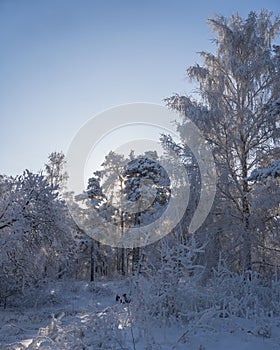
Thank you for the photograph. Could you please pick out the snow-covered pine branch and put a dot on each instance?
(263, 173)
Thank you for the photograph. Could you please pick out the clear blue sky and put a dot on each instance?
(63, 61)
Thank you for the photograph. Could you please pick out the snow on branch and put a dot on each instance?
(263, 173)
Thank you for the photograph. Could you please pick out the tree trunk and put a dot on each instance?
(123, 261)
(92, 262)
(247, 244)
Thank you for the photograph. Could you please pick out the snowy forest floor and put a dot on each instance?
(80, 315)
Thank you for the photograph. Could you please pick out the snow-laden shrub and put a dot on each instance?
(93, 331)
(168, 291)
(243, 295)
(173, 291)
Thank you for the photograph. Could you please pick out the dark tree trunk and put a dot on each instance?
(247, 244)
(92, 263)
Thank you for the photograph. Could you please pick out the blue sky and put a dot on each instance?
(63, 61)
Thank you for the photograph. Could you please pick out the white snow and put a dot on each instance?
(84, 315)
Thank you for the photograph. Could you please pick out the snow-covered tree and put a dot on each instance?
(147, 188)
(264, 196)
(147, 183)
(35, 236)
(236, 108)
(95, 205)
(54, 169)
(111, 183)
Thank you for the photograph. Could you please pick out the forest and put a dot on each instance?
(222, 278)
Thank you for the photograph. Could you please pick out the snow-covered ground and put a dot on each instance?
(80, 315)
